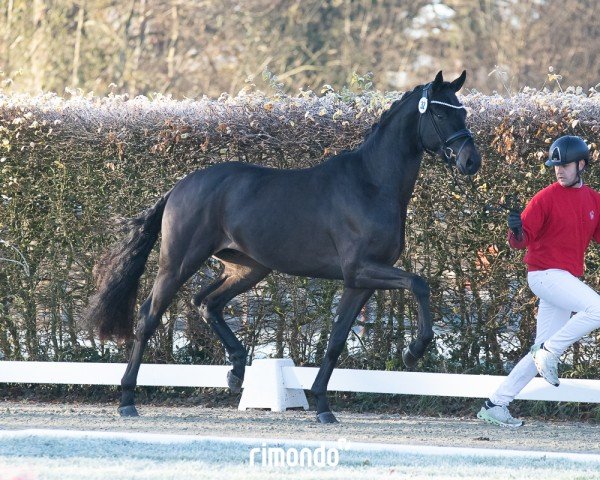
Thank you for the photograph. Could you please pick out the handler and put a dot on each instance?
(556, 227)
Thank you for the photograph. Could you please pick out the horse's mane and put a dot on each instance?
(385, 116)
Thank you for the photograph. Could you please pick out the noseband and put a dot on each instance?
(465, 134)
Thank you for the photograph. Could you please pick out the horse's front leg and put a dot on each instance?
(385, 277)
(350, 305)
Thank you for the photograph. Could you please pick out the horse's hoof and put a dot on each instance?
(410, 361)
(326, 417)
(128, 411)
(234, 382)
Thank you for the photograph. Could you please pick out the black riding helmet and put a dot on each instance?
(567, 149)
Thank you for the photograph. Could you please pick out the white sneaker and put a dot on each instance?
(499, 415)
(546, 363)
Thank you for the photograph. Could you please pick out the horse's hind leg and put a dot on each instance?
(165, 287)
(177, 263)
(349, 307)
(241, 273)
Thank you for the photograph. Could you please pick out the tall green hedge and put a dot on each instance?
(69, 166)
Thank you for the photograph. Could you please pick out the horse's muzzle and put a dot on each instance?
(468, 160)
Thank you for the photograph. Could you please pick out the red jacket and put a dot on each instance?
(558, 224)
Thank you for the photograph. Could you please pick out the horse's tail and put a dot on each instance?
(117, 274)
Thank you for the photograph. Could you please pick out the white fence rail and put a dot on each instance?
(78, 373)
(277, 384)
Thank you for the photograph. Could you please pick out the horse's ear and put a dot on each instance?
(439, 79)
(458, 83)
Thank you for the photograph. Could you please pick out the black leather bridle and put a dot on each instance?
(465, 134)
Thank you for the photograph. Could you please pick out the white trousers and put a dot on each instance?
(560, 294)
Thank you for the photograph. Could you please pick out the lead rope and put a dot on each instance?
(424, 108)
(512, 205)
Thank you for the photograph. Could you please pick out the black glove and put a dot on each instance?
(515, 224)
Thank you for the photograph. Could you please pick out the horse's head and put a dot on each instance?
(442, 127)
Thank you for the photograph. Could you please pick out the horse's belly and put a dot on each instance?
(300, 258)
(301, 264)
(331, 272)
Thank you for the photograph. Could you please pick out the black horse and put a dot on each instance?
(343, 219)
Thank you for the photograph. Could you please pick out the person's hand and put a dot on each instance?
(515, 224)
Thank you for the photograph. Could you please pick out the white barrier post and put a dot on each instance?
(265, 387)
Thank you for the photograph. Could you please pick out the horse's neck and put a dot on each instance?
(392, 159)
